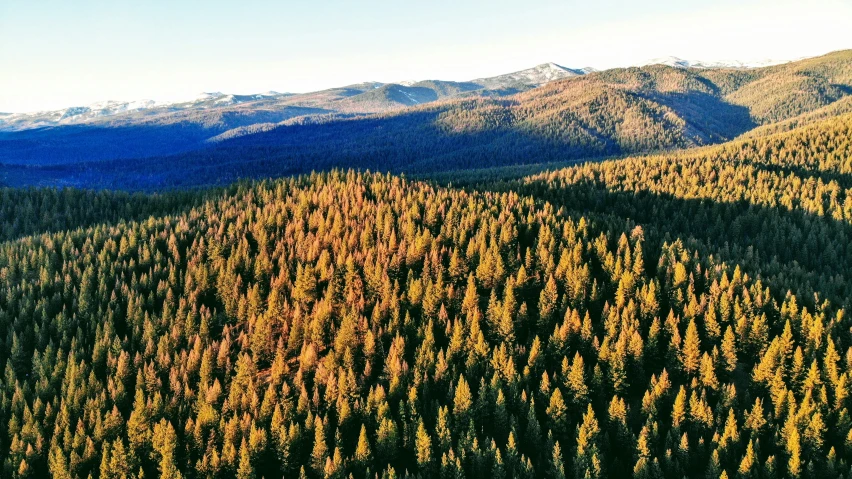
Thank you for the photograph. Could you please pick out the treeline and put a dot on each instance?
(612, 113)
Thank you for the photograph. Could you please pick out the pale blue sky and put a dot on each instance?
(55, 54)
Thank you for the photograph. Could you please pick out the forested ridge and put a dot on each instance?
(678, 315)
(780, 205)
(617, 112)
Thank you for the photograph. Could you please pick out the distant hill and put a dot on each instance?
(839, 107)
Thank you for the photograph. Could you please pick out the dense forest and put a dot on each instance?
(676, 315)
(780, 205)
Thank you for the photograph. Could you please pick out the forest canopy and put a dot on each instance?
(575, 323)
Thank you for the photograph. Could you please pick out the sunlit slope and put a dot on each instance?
(780, 205)
(362, 324)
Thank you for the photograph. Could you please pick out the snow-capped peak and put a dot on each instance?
(677, 62)
(550, 66)
(537, 75)
(204, 96)
(670, 61)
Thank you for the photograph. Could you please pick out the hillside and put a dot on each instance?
(655, 316)
(780, 206)
(838, 108)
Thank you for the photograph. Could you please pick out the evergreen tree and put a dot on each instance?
(557, 413)
(165, 444)
(588, 461)
(423, 447)
(547, 303)
(245, 469)
(691, 350)
(363, 454)
(462, 401)
(729, 350)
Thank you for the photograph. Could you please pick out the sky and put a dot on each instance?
(60, 53)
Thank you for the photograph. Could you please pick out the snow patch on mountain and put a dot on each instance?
(108, 108)
(410, 97)
(535, 76)
(677, 62)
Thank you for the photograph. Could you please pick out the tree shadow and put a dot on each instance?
(845, 89)
(137, 136)
(35, 211)
(410, 143)
(791, 250)
(713, 118)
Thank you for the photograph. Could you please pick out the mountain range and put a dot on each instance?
(544, 114)
(367, 97)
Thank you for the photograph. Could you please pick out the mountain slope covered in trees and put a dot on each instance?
(600, 114)
(120, 130)
(679, 315)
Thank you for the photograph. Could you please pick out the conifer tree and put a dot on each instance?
(423, 447)
(729, 350)
(363, 454)
(576, 380)
(588, 460)
(547, 303)
(320, 450)
(462, 401)
(679, 408)
(794, 452)
(691, 350)
(748, 466)
(557, 464)
(557, 413)
(245, 469)
(165, 443)
(708, 372)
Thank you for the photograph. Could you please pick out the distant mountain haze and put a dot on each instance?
(400, 94)
(367, 97)
(547, 113)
